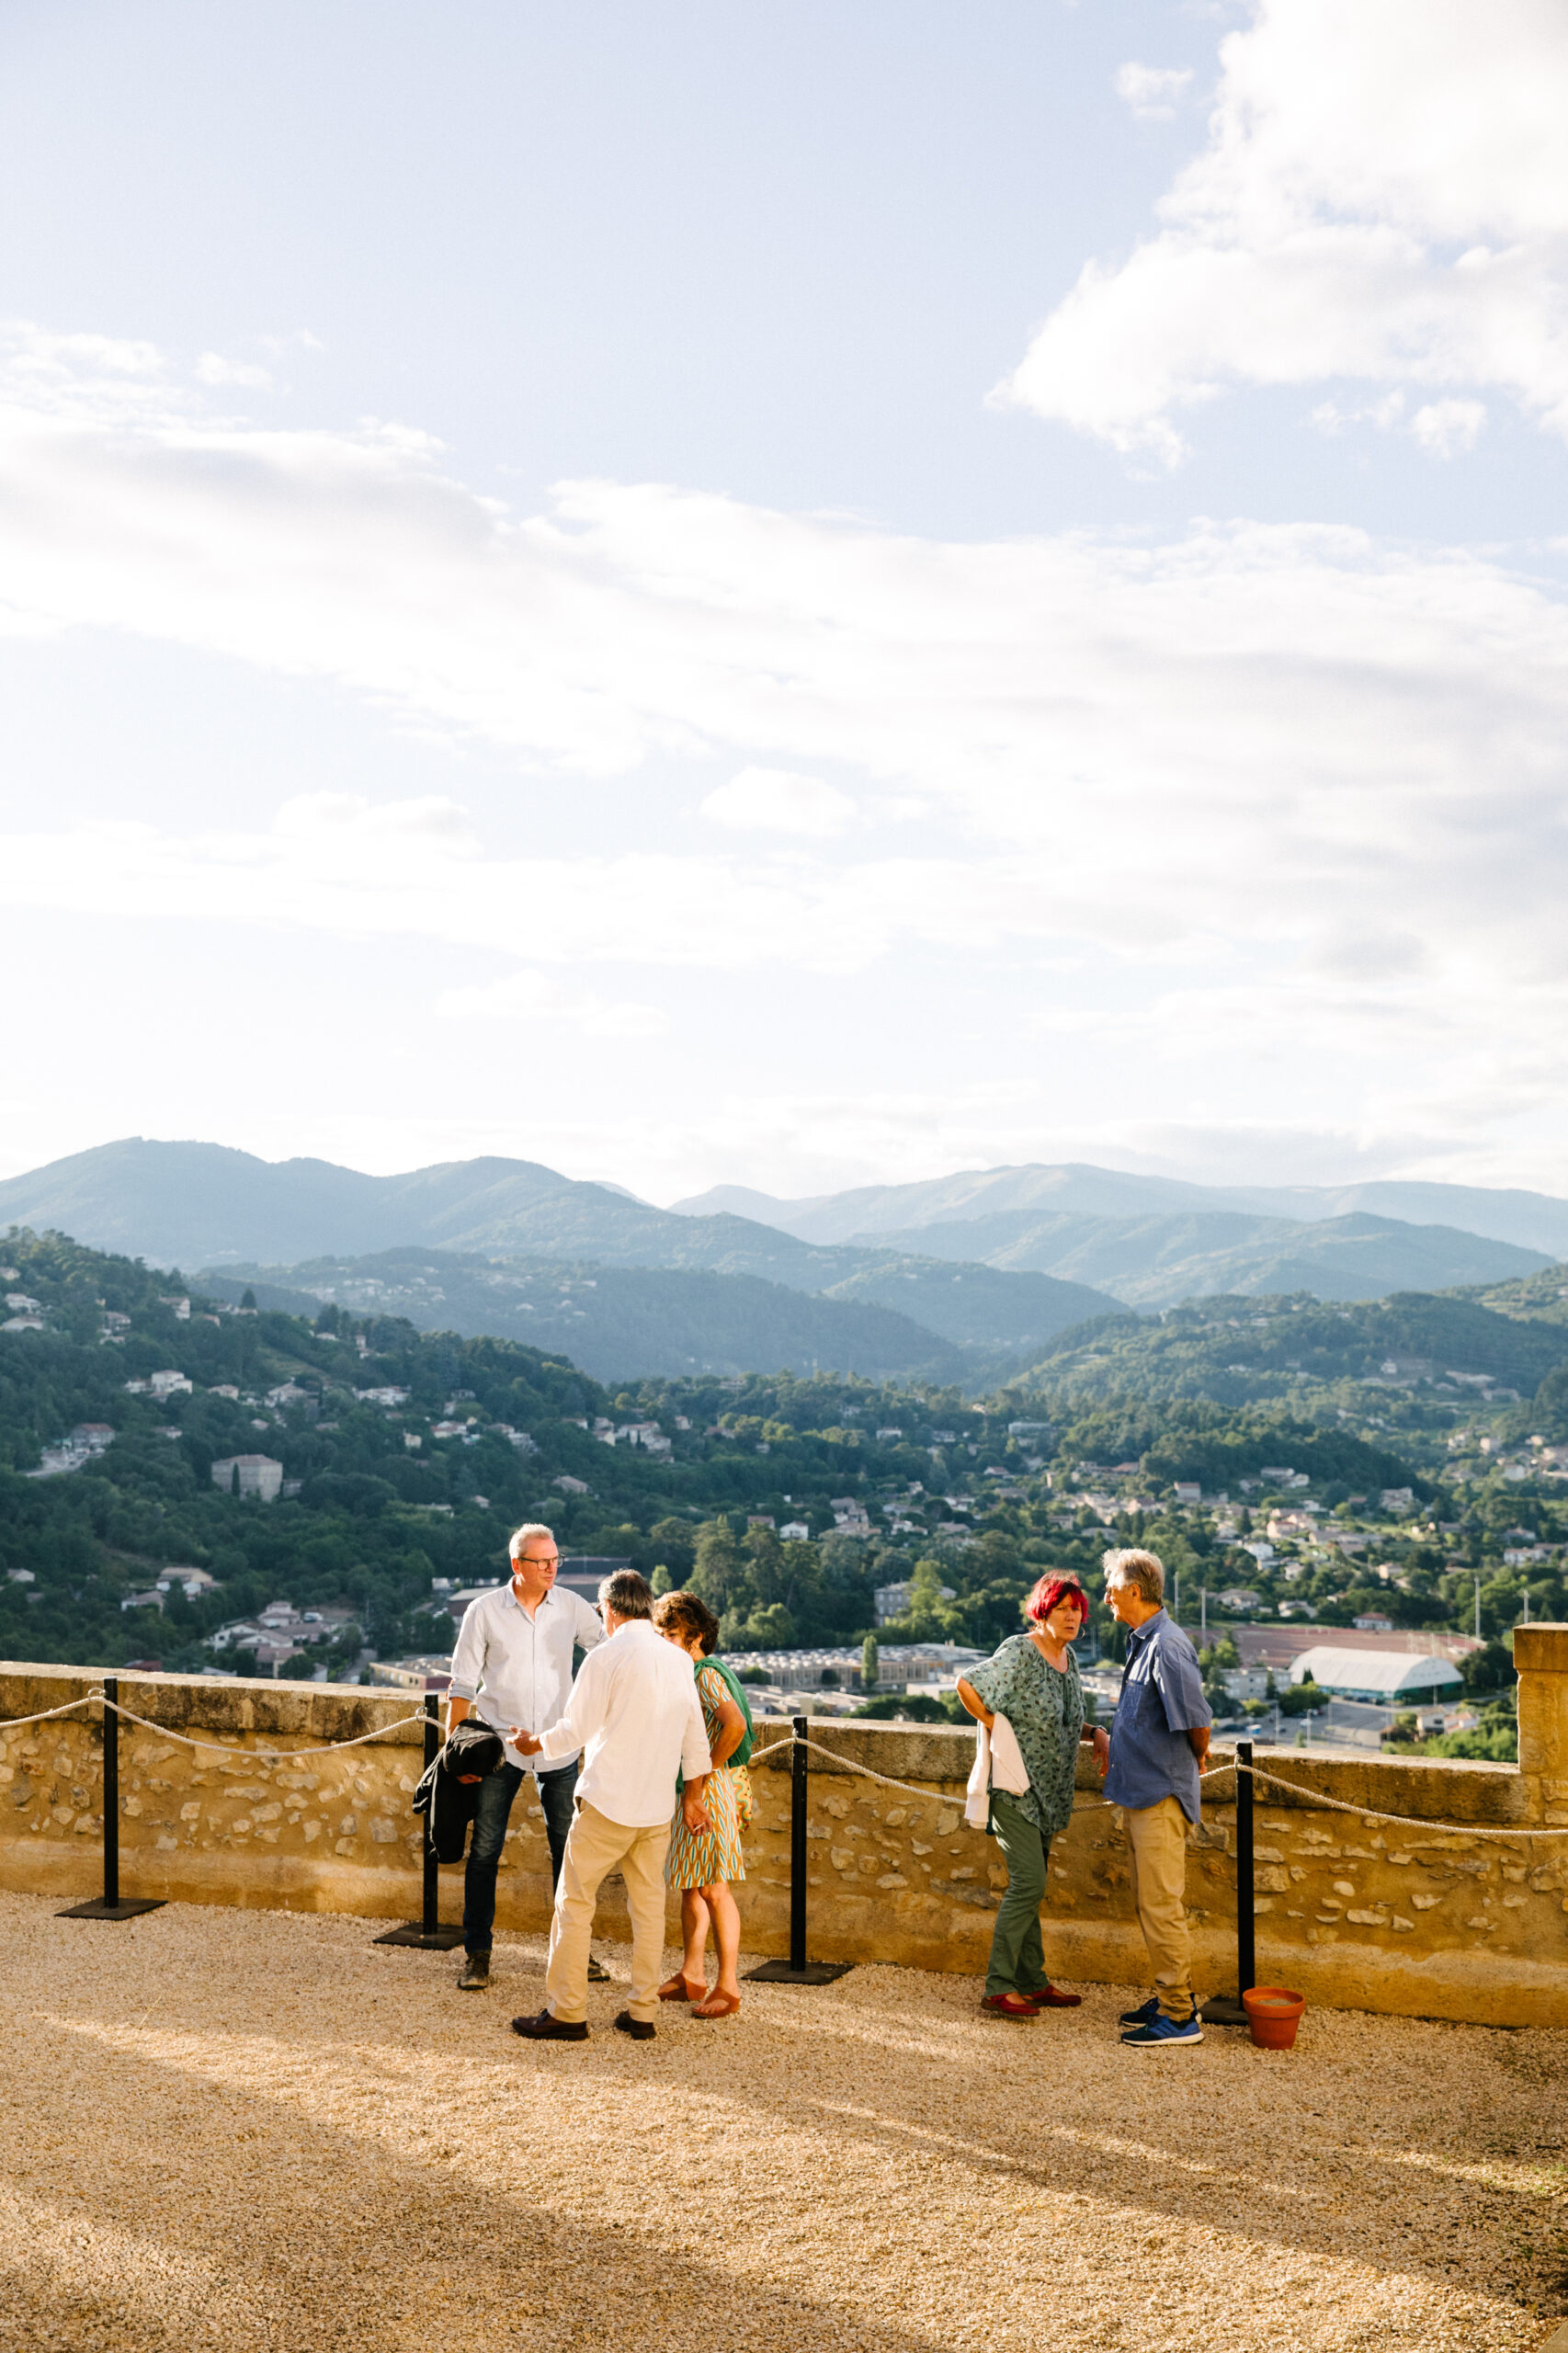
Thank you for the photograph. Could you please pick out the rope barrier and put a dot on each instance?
(218, 1747)
(1315, 1798)
(10, 1723)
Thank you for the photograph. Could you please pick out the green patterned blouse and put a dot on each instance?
(1046, 1711)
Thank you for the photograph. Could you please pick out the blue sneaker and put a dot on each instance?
(1162, 2033)
(1145, 2015)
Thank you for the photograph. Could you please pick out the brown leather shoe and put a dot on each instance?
(1051, 1997)
(1009, 2005)
(547, 2027)
(639, 2029)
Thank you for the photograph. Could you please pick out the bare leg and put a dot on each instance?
(694, 1926)
(692, 1974)
(726, 1918)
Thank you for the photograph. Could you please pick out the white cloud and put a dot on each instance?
(1384, 196)
(527, 995)
(1152, 92)
(1234, 762)
(778, 801)
(213, 368)
(1448, 428)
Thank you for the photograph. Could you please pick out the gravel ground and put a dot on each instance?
(257, 2130)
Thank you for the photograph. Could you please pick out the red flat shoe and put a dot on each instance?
(1051, 1997)
(676, 1989)
(719, 2006)
(1009, 2005)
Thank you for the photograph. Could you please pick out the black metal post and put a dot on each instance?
(432, 1886)
(1224, 2009)
(426, 1934)
(798, 1969)
(1247, 1934)
(110, 1906)
(112, 1793)
(798, 1846)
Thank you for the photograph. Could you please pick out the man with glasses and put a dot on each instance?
(512, 1667)
(1159, 1747)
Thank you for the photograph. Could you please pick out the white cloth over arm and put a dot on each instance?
(998, 1764)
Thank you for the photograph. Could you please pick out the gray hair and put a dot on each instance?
(627, 1594)
(521, 1536)
(1145, 1572)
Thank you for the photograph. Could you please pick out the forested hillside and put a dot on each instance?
(407, 1456)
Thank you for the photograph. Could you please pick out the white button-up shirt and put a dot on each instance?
(516, 1670)
(635, 1714)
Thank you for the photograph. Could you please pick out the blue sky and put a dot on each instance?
(793, 596)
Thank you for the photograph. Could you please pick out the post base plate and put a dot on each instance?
(816, 1972)
(1222, 2009)
(413, 1932)
(129, 1908)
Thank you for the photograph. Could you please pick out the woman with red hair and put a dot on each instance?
(1033, 1683)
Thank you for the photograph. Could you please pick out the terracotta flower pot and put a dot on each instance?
(1273, 2013)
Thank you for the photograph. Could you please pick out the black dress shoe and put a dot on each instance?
(546, 2027)
(639, 2029)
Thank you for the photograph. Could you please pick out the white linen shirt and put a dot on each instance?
(635, 1714)
(516, 1670)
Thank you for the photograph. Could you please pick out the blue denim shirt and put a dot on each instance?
(1162, 1701)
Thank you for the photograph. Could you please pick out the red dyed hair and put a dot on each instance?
(1049, 1591)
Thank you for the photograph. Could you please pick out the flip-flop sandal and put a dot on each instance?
(676, 1989)
(727, 2005)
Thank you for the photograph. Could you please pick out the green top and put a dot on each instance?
(1046, 1711)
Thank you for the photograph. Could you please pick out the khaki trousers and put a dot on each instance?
(1157, 1837)
(595, 1846)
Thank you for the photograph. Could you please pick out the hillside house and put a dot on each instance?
(254, 1475)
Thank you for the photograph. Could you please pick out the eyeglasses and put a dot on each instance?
(537, 1561)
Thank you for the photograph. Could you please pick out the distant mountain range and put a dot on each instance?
(886, 1317)
(1035, 1192)
(968, 1277)
(512, 1247)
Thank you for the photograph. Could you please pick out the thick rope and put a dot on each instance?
(218, 1747)
(10, 1723)
(276, 1755)
(1315, 1798)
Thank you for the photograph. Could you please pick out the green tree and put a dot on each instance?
(718, 1576)
(870, 1663)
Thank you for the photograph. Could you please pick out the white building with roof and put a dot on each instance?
(1387, 1679)
(254, 1475)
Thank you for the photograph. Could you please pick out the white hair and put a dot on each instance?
(521, 1536)
(1144, 1571)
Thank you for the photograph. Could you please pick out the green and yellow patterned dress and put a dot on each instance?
(702, 1858)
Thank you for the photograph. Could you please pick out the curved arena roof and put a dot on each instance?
(1388, 1674)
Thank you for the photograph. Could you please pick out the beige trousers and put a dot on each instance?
(596, 1847)
(1157, 1837)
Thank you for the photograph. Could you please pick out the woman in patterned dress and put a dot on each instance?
(702, 1863)
(1033, 1681)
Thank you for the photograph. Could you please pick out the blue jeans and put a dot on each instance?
(489, 1836)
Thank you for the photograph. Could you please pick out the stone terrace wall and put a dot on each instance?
(1433, 1921)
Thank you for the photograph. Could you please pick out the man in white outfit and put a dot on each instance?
(635, 1715)
(513, 1665)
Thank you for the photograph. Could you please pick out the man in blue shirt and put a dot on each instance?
(1159, 1745)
